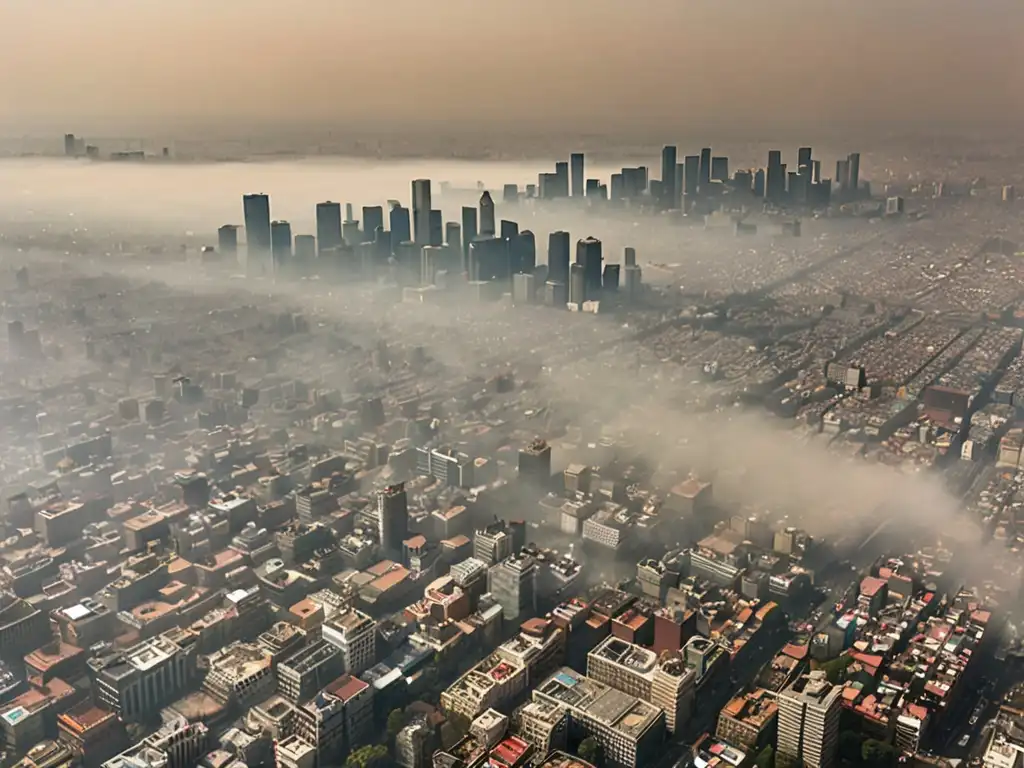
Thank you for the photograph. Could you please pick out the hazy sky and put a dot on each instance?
(572, 65)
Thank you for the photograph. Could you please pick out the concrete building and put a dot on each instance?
(137, 682)
(303, 674)
(809, 713)
(354, 634)
(513, 582)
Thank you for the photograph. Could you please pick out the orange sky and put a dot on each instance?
(550, 64)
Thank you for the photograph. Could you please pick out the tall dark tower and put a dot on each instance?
(558, 257)
(691, 176)
(576, 174)
(524, 253)
(256, 212)
(401, 231)
(328, 226)
(373, 219)
(486, 214)
(588, 255)
(281, 243)
(705, 169)
(393, 513)
(853, 165)
(669, 197)
(535, 463)
(227, 240)
(775, 177)
(469, 233)
(421, 212)
(803, 157)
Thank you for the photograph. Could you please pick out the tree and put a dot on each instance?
(851, 745)
(590, 750)
(765, 758)
(370, 756)
(396, 722)
(877, 754)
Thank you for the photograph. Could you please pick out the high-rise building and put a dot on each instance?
(453, 237)
(577, 285)
(669, 191)
(509, 229)
(281, 243)
(486, 214)
(720, 169)
(588, 253)
(489, 259)
(69, 144)
(535, 463)
(524, 253)
(562, 174)
(354, 634)
(576, 172)
(775, 178)
(705, 169)
(421, 211)
(629, 256)
(610, 277)
(328, 226)
(558, 257)
(256, 212)
(524, 288)
(401, 230)
(803, 156)
(393, 522)
(436, 219)
(305, 248)
(809, 712)
(513, 583)
(373, 219)
(853, 161)
(497, 541)
(227, 240)
(691, 175)
(469, 232)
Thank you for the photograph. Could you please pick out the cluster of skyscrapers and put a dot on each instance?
(419, 249)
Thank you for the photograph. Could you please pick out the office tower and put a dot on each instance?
(629, 256)
(775, 178)
(634, 182)
(513, 584)
(525, 255)
(353, 634)
(227, 240)
(256, 211)
(510, 193)
(691, 175)
(373, 217)
(489, 259)
(577, 284)
(432, 259)
(453, 237)
(720, 169)
(393, 518)
(576, 168)
(562, 173)
(305, 248)
(558, 257)
(547, 186)
(535, 462)
(816, 172)
(610, 278)
(281, 243)
(421, 211)
(669, 199)
(469, 233)
(69, 144)
(436, 234)
(853, 164)
(486, 214)
(805, 185)
(588, 255)
(631, 281)
(843, 174)
(555, 294)
(809, 713)
(593, 187)
(349, 212)
(509, 229)
(803, 156)
(328, 226)
(705, 169)
(524, 288)
(758, 186)
(401, 231)
(617, 186)
(350, 233)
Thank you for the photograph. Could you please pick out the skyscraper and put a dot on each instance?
(576, 169)
(393, 514)
(669, 200)
(453, 237)
(535, 463)
(588, 254)
(853, 164)
(227, 240)
(562, 172)
(436, 227)
(328, 226)
(720, 169)
(691, 176)
(373, 218)
(305, 248)
(281, 243)
(705, 169)
(558, 257)
(809, 712)
(509, 229)
(401, 232)
(577, 284)
(775, 178)
(421, 211)
(803, 156)
(256, 212)
(469, 232)
(486, 214)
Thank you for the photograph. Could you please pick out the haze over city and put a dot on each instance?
(511, 385)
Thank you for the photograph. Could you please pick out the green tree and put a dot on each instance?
(590, 750)
(877, 754)
(370, 756)
(396, 722)
(835, 670)
(765, 758)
